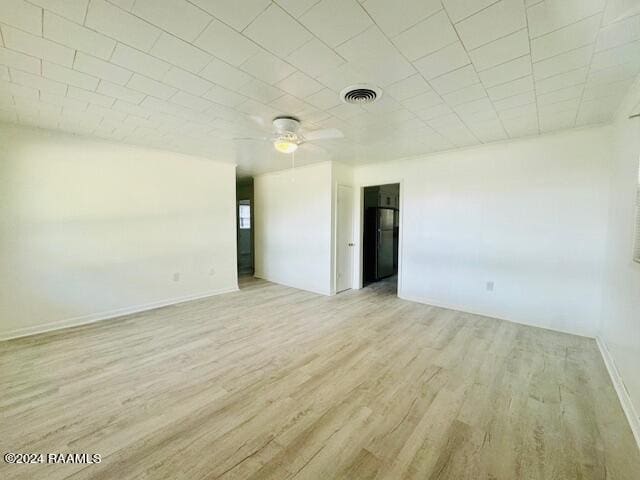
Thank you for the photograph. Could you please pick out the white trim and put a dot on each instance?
(486, 313)
(96, 317)
(334, 234)
(334, 289)
(623, 395)
(262, 276)
(359, 240)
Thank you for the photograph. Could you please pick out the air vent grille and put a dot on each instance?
(360, 94)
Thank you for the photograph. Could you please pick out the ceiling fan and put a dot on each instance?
(287, 135)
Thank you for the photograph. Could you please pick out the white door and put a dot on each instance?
(344, 247)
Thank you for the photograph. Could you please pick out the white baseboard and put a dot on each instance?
(286, 284)
(96, 317)
(623, 395)
(486, 313)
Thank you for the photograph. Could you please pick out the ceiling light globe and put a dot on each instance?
(285, 146)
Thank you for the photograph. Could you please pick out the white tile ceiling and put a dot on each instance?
(194, 75)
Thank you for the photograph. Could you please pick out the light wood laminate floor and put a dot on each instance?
(276, 383)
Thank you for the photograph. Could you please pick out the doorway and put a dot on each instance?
(244, 212)
(381, 236)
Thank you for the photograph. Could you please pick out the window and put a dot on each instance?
(244, 216)
(636, 247)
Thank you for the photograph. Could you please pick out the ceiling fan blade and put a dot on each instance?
(310, 151)
(258, 120)
(324, 134)
(255, 139)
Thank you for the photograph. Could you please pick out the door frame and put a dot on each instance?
(359, 238)
(334, 287)
(251, 198)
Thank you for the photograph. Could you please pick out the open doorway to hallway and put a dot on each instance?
(381, 236)
(245, 224)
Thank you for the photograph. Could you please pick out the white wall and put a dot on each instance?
(293, 227)
(528, 215)
(295, 214)
(92, 229)
(620, 328)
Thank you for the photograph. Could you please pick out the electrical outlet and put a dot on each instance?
(489, 286)
(176, 277)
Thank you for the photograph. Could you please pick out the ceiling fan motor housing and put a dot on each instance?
(286, 124)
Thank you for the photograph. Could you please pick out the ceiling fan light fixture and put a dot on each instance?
(285, 145)
(286, 140)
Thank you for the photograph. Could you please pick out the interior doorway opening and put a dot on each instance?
(381, 236)
(245, 224)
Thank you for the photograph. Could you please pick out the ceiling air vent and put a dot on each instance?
(360, 94)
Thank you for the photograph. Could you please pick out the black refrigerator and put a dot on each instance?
(380, 243)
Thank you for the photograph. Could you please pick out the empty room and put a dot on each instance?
(320, 239)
